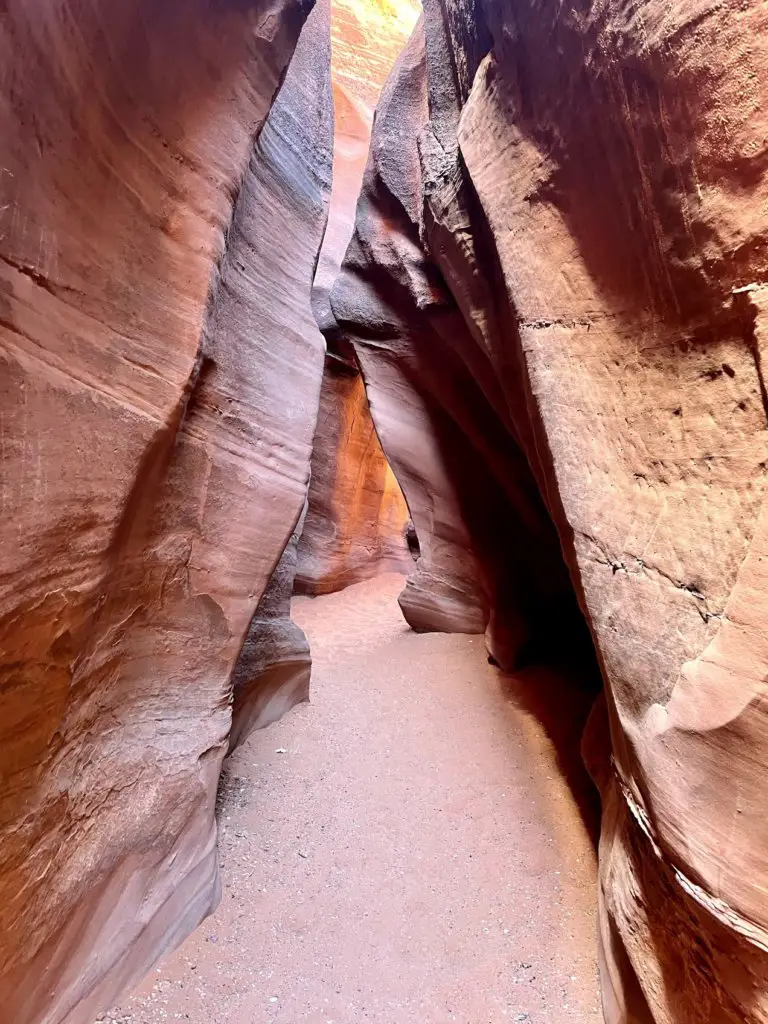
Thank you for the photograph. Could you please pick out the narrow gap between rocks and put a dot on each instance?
(418, 842)
(405, 847)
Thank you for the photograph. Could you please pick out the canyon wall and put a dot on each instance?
(164, 182)
(489, 554)
(272, 672)
(555, 292)
(356, 519)
(557, 279)
(356, 516)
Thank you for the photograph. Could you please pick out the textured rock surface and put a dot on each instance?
(385, 255)
(357, 516)
(368, 36)
(487, 543)
(601, 171)
(272, 672)
(158, 404)
(356, 519)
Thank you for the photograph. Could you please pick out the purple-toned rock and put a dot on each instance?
(272, 672)
(163, 195)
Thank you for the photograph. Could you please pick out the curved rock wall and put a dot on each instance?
(488, 547)
(356, 520)
(355, 524)
(577, 195)
(272, 673)
(556, 292)
(357, 517)
(160, 220)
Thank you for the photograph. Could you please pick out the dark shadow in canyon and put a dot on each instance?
(553, 675)
(561, 702)
(487, 431)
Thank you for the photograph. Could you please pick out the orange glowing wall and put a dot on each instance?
(356, 519)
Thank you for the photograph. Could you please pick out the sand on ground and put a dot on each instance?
(402, 850)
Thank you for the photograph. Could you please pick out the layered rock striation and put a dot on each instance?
(489, 554)
(558, 279)
(164, 181)
(273, 670)
(356, 515)
(555, 292)
(356, 519)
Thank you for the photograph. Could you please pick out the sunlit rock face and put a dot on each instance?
(367, 37)
(164, 182)
(356, 519)
(489, 553)
(569, 205)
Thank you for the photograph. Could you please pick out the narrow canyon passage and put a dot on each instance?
(296, 294)
(402, 849)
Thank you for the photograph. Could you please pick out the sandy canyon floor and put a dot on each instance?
(402, 849)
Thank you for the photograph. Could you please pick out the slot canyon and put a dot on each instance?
(384, 443)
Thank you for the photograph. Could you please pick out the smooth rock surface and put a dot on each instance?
(603, 168)
(445, 591)
(357, 516)
(355, 525)
(272, 672)
(160, 380)
(489, 554)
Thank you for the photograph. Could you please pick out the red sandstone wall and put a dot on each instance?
(162, 202)
(356, 519)
(563, 285)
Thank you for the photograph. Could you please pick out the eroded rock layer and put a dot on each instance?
(560, 256)
(273, 669)
(488, 549)
(160, 222)
(356, 515)
(356, 520)
(356, 523)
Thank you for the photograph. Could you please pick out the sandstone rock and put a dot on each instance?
(160, 381)
(487, 543)
(272, 672)
(368, 36)
(357, 516)
(599, 237)
(352, 133)
(355, 525)
(633, 176)
(445, 592)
